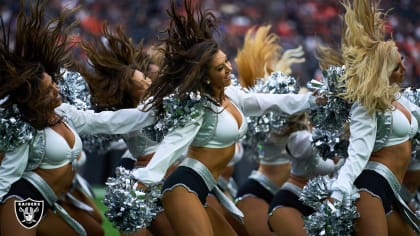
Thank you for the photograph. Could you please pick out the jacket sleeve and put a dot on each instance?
(325, 167)
(299, 145)
(106, 122)
(362, 139)
(173, 145)
(12, 167)
(257, 104)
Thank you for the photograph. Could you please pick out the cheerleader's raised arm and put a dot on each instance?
(83, 122)
(107, 122)
(252, 104)
(257, 104)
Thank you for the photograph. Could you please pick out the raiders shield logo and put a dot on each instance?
(29, 212)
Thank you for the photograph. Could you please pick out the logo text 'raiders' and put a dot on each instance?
(29, 212)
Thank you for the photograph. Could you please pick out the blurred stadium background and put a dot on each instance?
(297, 22)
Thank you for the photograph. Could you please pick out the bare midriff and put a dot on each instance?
(228, 172)
(278, 174)
(297, 180)
(215, 159)
(59, 179)
(396, 158)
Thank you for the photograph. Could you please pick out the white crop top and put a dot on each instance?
(177, 141)
(57, 151)
(46, 145)
(227, 131)
(369, 133)
(401, 129)
(305, 161)
(274, 153)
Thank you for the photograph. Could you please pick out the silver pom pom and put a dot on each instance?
(152, 133)
(14, 131)
(334, 218)
(315, 191)
(330, 136)
(413, 95)
(99, 143)
(180, 109)
(74, 90)
(259, 127)
(129, 207)
(329, 144)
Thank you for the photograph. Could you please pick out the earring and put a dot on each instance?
(207, 81)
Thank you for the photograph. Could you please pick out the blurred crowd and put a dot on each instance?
(299, 22)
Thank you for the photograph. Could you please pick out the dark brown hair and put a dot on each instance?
(39, 47)
(188, 50)
(113, 63)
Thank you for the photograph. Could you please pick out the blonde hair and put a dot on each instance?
(289, 57)
(331, 56)
(328, 56)
(261, 55)
(369, 60)
(254, 59)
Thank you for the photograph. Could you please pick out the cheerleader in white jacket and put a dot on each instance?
(41, 135)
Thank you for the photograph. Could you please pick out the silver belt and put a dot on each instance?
(296, 190)
(264, 181)
(211, 184)
(229, 185)
(80, 184)
(39, 183)
(408, 215)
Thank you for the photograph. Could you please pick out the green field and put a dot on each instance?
(100, 193)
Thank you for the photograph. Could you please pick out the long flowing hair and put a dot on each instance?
(38, 47)
(288, 58)
(262, 54)
(369, 60)
(187, 50)
(328, 56)
(254, 59)
(113, 60)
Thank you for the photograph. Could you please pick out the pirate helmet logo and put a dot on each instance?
(29, 212)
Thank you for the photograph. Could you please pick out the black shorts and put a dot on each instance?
(286, 198)
(252, 187)
(22, 190)
(376, 184)
(189, 179)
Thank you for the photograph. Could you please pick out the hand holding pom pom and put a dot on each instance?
(131, 205)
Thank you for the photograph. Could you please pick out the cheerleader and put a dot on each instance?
(42, 132)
